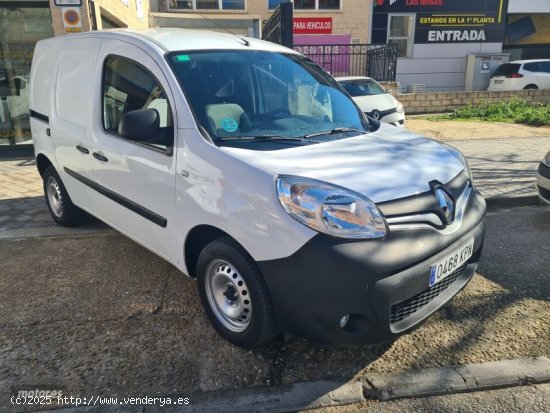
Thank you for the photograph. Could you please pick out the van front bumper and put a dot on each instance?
(375, 282)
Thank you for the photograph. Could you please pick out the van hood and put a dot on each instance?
(388, 164)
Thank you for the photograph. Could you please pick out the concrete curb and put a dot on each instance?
(470, 377)
(495, 203)
(304, 396)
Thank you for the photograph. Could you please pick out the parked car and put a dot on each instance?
(522, 74)
(248, 167)
(543, 179)
(373, 99)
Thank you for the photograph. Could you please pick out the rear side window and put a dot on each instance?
(127, 86)
(545, 67)
(532, 67)
(507, 69)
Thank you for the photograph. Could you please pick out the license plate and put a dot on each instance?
(498, 82)
(442, 269)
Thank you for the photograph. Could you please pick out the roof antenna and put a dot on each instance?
(245, 42)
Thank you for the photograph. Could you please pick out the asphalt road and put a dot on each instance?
(100, 315)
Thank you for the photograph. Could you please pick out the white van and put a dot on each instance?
(249, 168)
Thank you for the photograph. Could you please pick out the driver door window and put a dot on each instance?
(128, 86)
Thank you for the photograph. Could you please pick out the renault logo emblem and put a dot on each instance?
(446, 204)
(375, 115)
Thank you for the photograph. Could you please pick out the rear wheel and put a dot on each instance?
(234, 294)
(530, 87)
(62, 209)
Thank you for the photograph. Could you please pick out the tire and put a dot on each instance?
(234, 294)
(61, 208)
(531, 87)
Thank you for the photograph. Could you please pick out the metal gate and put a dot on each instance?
(278, 29)
(382, 62)
(378, 61)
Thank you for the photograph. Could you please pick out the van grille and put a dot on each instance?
(404, 309)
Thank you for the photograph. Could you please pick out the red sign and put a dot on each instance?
(312, 25)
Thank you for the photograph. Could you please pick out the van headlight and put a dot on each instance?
(546, 159)
(330, 209)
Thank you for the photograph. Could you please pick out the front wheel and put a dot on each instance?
(234, 294)
(62, 209)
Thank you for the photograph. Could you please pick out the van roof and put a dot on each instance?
(174, 39)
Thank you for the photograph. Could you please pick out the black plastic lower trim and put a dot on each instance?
(119, 199)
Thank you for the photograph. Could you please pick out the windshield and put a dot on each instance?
(362, 87)
(250, 95)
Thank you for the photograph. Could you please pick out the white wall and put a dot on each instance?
(441, 67)
(529, 6)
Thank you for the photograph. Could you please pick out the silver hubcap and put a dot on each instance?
(54, 196)
(228, 296)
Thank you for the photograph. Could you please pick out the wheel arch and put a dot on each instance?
(198, 238)
(531, 86)
(42, 162)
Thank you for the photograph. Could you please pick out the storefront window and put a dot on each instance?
(309, 4)
(20, 28)
(329, 4)
(207, 4)
(304, 4)
(401, 33)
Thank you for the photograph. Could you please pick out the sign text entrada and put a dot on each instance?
(445, 21)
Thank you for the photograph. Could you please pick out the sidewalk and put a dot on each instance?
(22, 203)
(504, 171)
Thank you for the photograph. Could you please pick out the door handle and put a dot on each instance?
(100, 157)
(82, 149)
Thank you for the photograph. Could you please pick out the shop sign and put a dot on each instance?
(458, 28)
(71, 19)
(67, 2)
(453, 6)
(450, 21)
(312, 25)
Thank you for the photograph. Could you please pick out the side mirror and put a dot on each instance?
(139, 125)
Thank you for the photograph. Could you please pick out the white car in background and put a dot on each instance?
(521, 74)
(375, 101)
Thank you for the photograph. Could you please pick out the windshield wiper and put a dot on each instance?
(263, 138)
(334, 132)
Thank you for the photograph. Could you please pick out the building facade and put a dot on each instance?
(23, 23)
(528, 29)
(315, 21)
(436, 37)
